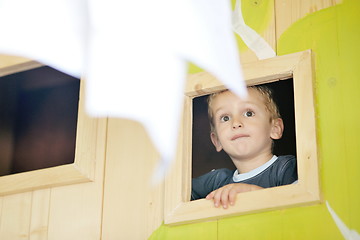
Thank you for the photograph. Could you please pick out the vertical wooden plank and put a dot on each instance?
(15, 216)
(1, 204)
(331, 110)
(264, 25)
(76, 210)
(269, 33)
(289, 11)
(40, 214)
(349, 86)
(133, 207)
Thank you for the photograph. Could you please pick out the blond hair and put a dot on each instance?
(264, 91)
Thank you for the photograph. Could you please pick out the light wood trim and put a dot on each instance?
(258, 72)
(307, 191)
(13, 64)
(82, 170)
(306, 143)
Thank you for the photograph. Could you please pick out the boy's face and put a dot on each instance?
(242, 126)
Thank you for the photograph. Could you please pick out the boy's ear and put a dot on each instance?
(215, 141)
(277, 128)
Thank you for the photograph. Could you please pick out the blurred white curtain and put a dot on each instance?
(133, 54)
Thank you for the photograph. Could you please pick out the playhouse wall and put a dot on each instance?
(122, 202)
(330, 29)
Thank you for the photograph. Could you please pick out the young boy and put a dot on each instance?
(245, 130)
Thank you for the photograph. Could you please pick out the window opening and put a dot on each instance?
(38, 120)
(291, 77)
(204, 156)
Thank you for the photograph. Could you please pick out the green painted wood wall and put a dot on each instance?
(333, 33)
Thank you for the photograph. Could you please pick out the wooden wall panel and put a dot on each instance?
(133, 207)
(68, 212)
(39, 220)
(248, 227)
(15, 216)
(296, 223)
(76, 210)
(265, 27)
(289, 11)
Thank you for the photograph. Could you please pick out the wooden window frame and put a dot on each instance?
(90, 137)
(177, 207)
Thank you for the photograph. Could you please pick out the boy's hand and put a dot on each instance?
(227, 194)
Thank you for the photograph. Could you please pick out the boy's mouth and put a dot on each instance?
(237, 136)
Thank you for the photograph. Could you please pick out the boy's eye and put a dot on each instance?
(224, 118)
(249, 113)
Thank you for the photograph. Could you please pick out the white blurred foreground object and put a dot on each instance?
(133, 54)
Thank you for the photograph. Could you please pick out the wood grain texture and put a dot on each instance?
(39, 221)
(76, 210)
(289, 11)
(13, 64)
(133, 204)
(33, 205)
(264, 26)
(15, 216)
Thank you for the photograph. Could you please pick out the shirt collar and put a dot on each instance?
(237, 177)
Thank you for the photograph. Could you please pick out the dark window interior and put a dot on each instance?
(38, 120)
(204, 156)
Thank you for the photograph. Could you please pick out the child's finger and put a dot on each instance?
(217, 197)
(225, 197)
(232, 197)
(210, 195)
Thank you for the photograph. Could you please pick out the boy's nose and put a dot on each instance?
(237, 124)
